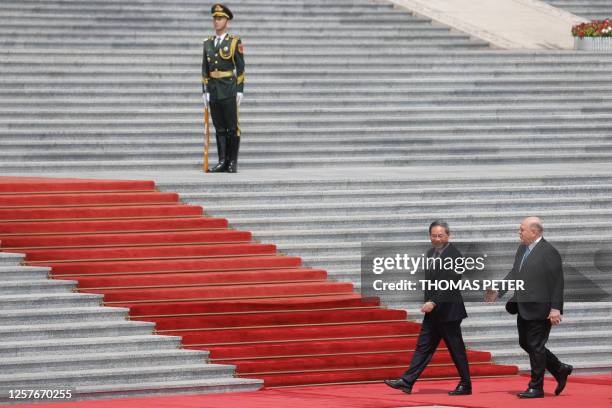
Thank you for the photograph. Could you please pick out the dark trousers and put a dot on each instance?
(432, 331)
(224, 115)
(533, 335)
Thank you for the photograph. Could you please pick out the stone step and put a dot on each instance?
(127, 35)
(139, 165)
(449, 56)
(117, 359)
(399, 219)
(422, 42)
(282, 237)
(23, 273)
(340, 181)
(190, 40)
(128, 375)
(580, 270)
(568, 74)
(74, 330)
(482, 313)
(86, 345)
(172, 9)
(101, 60)
(568, 324)
(357, 20)
(114, 143)
(196, 386)
(61, 315)
(577, 355)
(42, 286)
(40, 300)
(45, 91)
(144, 388)
(311, 112)
(397, 191)
(559, 338)
(123, 102)
(304, 135)
(10, 259)
(595, 151)
(351, 208)
(592, 9)
(338, 84)
(601, 121)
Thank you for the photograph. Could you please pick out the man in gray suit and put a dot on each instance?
(539, 306)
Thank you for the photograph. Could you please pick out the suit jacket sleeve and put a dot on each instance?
(556, 275)
(513, 271)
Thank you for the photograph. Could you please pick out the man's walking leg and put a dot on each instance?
(428, 341)
(451, 333)
(533, 335)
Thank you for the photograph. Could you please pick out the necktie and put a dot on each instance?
(525, 255)
(217, 41)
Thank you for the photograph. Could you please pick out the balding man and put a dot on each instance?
(539, 306)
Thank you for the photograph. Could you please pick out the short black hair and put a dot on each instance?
(439, 223)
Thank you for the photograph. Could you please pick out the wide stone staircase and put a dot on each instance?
(324, 217)
(92, 86)
(591, 9)
(352, 132)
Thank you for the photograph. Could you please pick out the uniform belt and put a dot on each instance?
(221, 74)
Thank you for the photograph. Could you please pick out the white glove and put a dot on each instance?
(239, 97)
(206, 98)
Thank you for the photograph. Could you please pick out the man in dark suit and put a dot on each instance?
(539, 306)
(444, 311)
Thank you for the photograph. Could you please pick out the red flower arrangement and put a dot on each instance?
(596, 28)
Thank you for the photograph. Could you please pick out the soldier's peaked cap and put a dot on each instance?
(219, 10)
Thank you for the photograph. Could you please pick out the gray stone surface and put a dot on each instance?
(54, 338)
(591, 9)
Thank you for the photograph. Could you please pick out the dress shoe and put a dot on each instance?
(531, 393)
(564, 371)
(400, 385)
(462, 389)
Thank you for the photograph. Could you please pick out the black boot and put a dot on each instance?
(222, 153)
(232, 167)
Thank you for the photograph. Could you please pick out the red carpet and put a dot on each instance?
(213, 286)
(592, 392)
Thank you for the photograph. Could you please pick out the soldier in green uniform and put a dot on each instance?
(222, 87)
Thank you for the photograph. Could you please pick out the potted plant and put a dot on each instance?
(593, 36)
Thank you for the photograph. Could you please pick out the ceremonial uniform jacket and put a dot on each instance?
(223, 68)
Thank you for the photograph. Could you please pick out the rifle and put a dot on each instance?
(206, 138)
